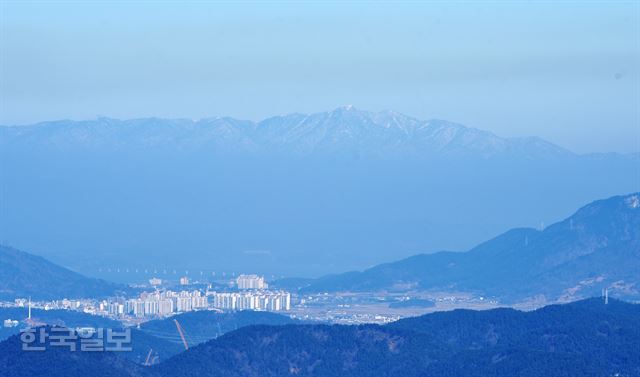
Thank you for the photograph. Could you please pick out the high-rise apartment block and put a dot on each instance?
(251, 282)
(165, 303)
(255, 300)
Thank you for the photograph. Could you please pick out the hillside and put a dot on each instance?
(27, 275)
(585, 338)
(141, 342)
(597, 247)
(505, 328)
(59, 362)
(66, 318)
(201, 326)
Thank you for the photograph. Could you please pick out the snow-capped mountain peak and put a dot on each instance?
(342, 130)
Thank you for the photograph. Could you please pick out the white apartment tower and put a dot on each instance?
(251, 282)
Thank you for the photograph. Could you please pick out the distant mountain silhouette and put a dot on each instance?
(343, 130)
(26, 275)
(597, 247)
(316, 193)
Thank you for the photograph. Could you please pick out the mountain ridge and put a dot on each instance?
(581, 338)
(586, 338)
(597, 247)
(28, 275)
(323, 192)
(341, 129)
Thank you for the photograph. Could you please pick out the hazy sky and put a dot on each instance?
(568, 72)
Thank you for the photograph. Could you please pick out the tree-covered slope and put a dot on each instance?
(27, 275)
(201, 326)
(586, 338)
(57, 361)
(597, 247)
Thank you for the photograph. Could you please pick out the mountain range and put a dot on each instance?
(585, 338)
(344, 130)
(295, 195)
(596, 248)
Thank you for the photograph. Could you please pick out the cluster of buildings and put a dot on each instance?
(151, 304)
(251, 294)
(251, 300)
(155, 282)
(251, 282)
(86, 305)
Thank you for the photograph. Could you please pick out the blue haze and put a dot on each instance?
(564, 71)
(295, 195)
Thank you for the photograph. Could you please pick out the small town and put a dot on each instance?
(249, 292)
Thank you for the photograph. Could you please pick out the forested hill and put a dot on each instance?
(595, 248)
(27, 275)
(585, 338)
(201, 326)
